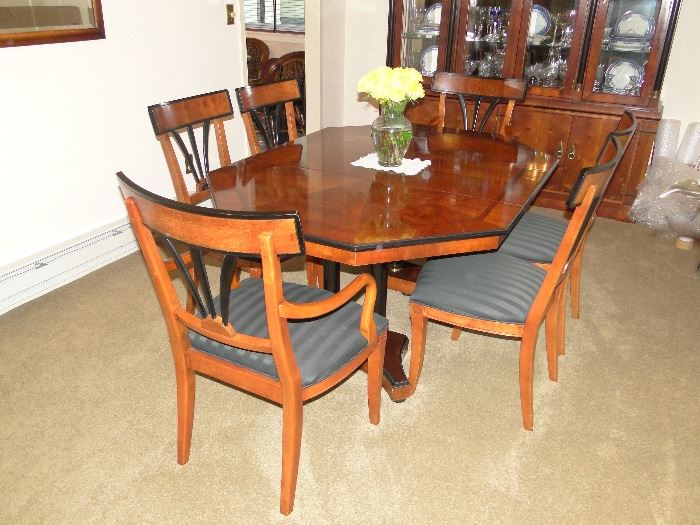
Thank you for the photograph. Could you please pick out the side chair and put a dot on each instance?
(472, 92)
(288, 66)
(258, 54)
(495, 293)
(268, 113)
(475, 91)
(269, 117)
(284, 342)
(535, 238)
(176, 123)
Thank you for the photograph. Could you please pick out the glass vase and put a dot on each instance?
(391, 134)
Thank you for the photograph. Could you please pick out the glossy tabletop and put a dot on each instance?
(467, 199)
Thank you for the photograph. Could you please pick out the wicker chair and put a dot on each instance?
(258, 54)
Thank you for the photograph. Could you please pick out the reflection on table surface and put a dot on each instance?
(475, 185)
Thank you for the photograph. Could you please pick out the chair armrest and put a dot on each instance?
(365, 281)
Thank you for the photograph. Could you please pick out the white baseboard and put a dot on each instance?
(65, 263)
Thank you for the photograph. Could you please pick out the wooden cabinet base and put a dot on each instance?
(575, 132)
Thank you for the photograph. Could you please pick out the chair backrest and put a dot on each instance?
(492, 91)
(177, 118)
(258, 53)
(292, 65)
(608, 159)
(265, 108)
(176, 225)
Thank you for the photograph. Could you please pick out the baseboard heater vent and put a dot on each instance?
(65, 264)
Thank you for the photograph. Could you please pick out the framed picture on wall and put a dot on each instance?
(23, 23)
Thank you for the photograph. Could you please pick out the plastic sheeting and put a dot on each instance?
(689, 150)
(676, 213)
(666, 140)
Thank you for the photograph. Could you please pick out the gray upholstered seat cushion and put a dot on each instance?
(534, 238)
(321, 345)
(492, 286)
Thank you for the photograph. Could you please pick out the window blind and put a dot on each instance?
(274, 15)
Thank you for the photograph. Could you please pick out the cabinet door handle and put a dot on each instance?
(560, 151)
(572, 152)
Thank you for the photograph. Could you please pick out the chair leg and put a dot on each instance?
(456, 332)
(527, 363)
(292, 420)
(314, 272)
(561, 321)
(236, 280)
(419, 326)
(552, 325)
(375, 368)
(185, 380)
(575, 278)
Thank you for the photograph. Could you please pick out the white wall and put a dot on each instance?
(680, 93)
(312, 57)
(73, 114)
(332, 58)
(365, 33)
(353, 42)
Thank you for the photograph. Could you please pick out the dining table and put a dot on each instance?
(466, 200)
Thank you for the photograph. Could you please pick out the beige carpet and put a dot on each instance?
(87, 397)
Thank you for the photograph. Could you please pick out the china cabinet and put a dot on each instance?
(585, 61)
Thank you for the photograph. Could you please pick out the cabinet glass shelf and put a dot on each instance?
(422, 35)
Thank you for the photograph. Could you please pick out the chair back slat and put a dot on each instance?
(453, 83)
(212, 229)
(607, 162)
(174, 120)
(191, 286)
(265, 109)
(476, 90)
(200, 272)
(256, 97)
(228, 267)
(625, 128)
(197, 109)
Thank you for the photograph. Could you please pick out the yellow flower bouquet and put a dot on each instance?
(389, 86)
(393, 89)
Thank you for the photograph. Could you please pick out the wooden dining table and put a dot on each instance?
(467, 200)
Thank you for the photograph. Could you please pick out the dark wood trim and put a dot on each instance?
(390, 34)
(58, 36)
(668, 42)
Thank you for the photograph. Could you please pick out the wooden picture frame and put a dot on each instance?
(24, 24)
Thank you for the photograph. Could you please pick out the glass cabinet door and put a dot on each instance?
(486, 38)
(622, 43)
(553, 46)
(422, 48)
